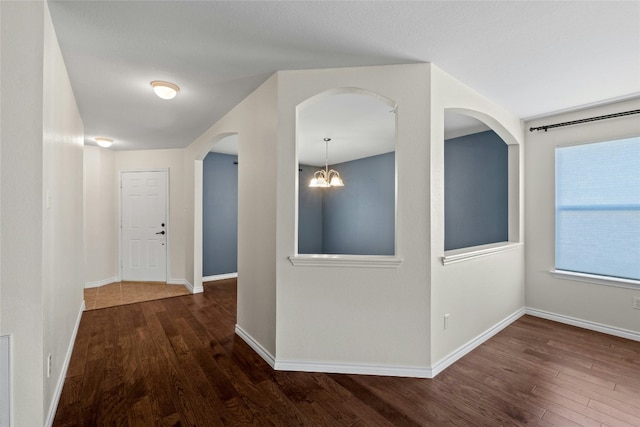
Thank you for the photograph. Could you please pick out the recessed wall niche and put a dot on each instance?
(476, 181)
(353, 132)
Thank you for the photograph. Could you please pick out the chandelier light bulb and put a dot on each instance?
(336, 181)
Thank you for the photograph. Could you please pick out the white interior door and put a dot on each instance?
(144, 226)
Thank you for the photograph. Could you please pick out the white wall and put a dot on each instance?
(21, 38)
(254, 120)
(63, 228)
(600, 304)
(358, 318)
(100, 217)
(41, 246)
(174, 161)
(361, 319)
(480, 293)
(102, 194)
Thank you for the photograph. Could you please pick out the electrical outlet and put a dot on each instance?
(49, 358)
(446, 321)
(636, 303)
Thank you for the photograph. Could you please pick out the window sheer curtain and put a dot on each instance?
(598, 208)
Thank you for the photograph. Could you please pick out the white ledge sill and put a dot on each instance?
(466, 254)
(594, 278)
(366, 261)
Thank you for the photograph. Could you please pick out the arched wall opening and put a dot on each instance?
(475, 183)
(227, 143)
(481, 178)
(346, 136)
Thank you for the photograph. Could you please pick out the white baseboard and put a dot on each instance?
(186, 284)
(476, 342)
(103, 282)
(63, 372)
(353, 368)
(256, 346)
(384, 370)
(585, 324)
(220, 277)
(6, 380)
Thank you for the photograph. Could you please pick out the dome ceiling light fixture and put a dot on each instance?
(103, 142)
(165, 90)
(325, 177)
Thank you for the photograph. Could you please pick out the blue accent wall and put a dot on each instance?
(219, 214)
(309, 213)
(475, 190)
(357, 219)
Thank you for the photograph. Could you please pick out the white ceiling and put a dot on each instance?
(358, 125)
(532, 57)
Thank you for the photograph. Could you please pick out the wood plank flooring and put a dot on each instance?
(177, 362)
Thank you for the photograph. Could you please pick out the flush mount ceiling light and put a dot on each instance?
(103, 142)
(325, 177)
(165, 90)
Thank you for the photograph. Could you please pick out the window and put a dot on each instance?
(353, 132)
(598, 208)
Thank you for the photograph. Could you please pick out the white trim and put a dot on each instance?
(103, 282)
(63, 373)
(476, 342)
(352, 368)
(585, 324)
(466, 254)
(6, 388)
(220, 277)
(595, 278)
(256, 346)
(385, 370)
(398, 371)
(366, 261)
(186, 284)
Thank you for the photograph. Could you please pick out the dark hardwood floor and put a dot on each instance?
(177, 362)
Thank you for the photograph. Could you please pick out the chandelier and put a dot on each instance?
(325, 177)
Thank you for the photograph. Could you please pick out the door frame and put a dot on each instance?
(168, 227)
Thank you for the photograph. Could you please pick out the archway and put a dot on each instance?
(482, 166)
(198, 202)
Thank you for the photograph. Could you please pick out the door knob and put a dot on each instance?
(160, 232)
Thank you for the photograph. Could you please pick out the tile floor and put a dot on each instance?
(121, 293)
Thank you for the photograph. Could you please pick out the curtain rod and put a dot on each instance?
(590, 119)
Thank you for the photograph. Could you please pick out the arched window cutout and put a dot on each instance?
(358, 218)
(476, 181)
